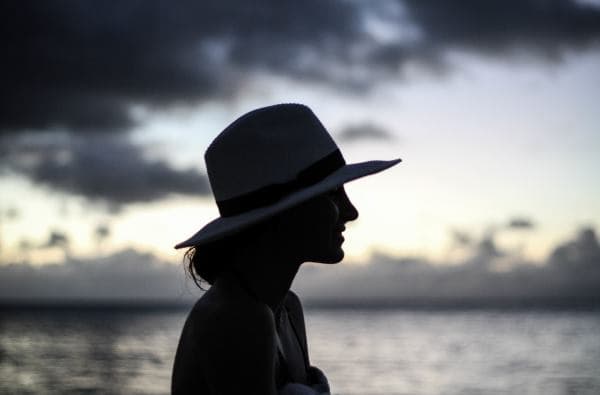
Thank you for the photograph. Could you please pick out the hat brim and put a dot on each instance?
(224, 226)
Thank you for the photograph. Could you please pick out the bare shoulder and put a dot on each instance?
(230, 321)
(236, 344)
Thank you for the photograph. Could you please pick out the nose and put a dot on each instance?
(347, 210)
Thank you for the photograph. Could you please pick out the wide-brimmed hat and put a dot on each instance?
(269, 160)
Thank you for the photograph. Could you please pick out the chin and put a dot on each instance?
(331, 259)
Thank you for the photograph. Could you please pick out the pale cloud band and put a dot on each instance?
(569, 277)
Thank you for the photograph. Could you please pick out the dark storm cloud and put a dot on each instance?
(498, 27)
(364, 131)
(82, 65)
(104, 169)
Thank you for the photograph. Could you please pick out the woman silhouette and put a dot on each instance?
(277, 177)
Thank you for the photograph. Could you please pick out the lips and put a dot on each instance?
(338, 233)
(338, 238)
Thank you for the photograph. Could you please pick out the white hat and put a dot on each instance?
(271, 159)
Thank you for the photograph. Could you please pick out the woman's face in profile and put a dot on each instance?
(315, 227)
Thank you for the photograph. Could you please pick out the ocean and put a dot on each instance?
(367, 352)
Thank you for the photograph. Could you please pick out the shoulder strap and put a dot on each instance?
(283, 375)
(298, 339)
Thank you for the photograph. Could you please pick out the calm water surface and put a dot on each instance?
(363, 352)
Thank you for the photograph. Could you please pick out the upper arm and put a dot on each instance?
(240, 352)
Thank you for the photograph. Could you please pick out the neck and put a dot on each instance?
(268, 282)
(264, 264)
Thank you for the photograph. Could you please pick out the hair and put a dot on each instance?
(207, 261)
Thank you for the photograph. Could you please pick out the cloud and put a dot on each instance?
(582, 252)
(84, 66)
(569, 277)
(460, 238)
(101, 232)
(520, 223)
(364, 131)
(103, 169)
(500, 28)
(486, 250)
(125, 276)
(56, 239)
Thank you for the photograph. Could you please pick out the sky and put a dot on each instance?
(107, 109)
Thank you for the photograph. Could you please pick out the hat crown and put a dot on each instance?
(269, 160)
(267, 146)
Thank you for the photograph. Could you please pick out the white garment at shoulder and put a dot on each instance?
(320, 385)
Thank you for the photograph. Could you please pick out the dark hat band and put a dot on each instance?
(272, 193)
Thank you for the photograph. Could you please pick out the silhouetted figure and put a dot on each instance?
(277, 177)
